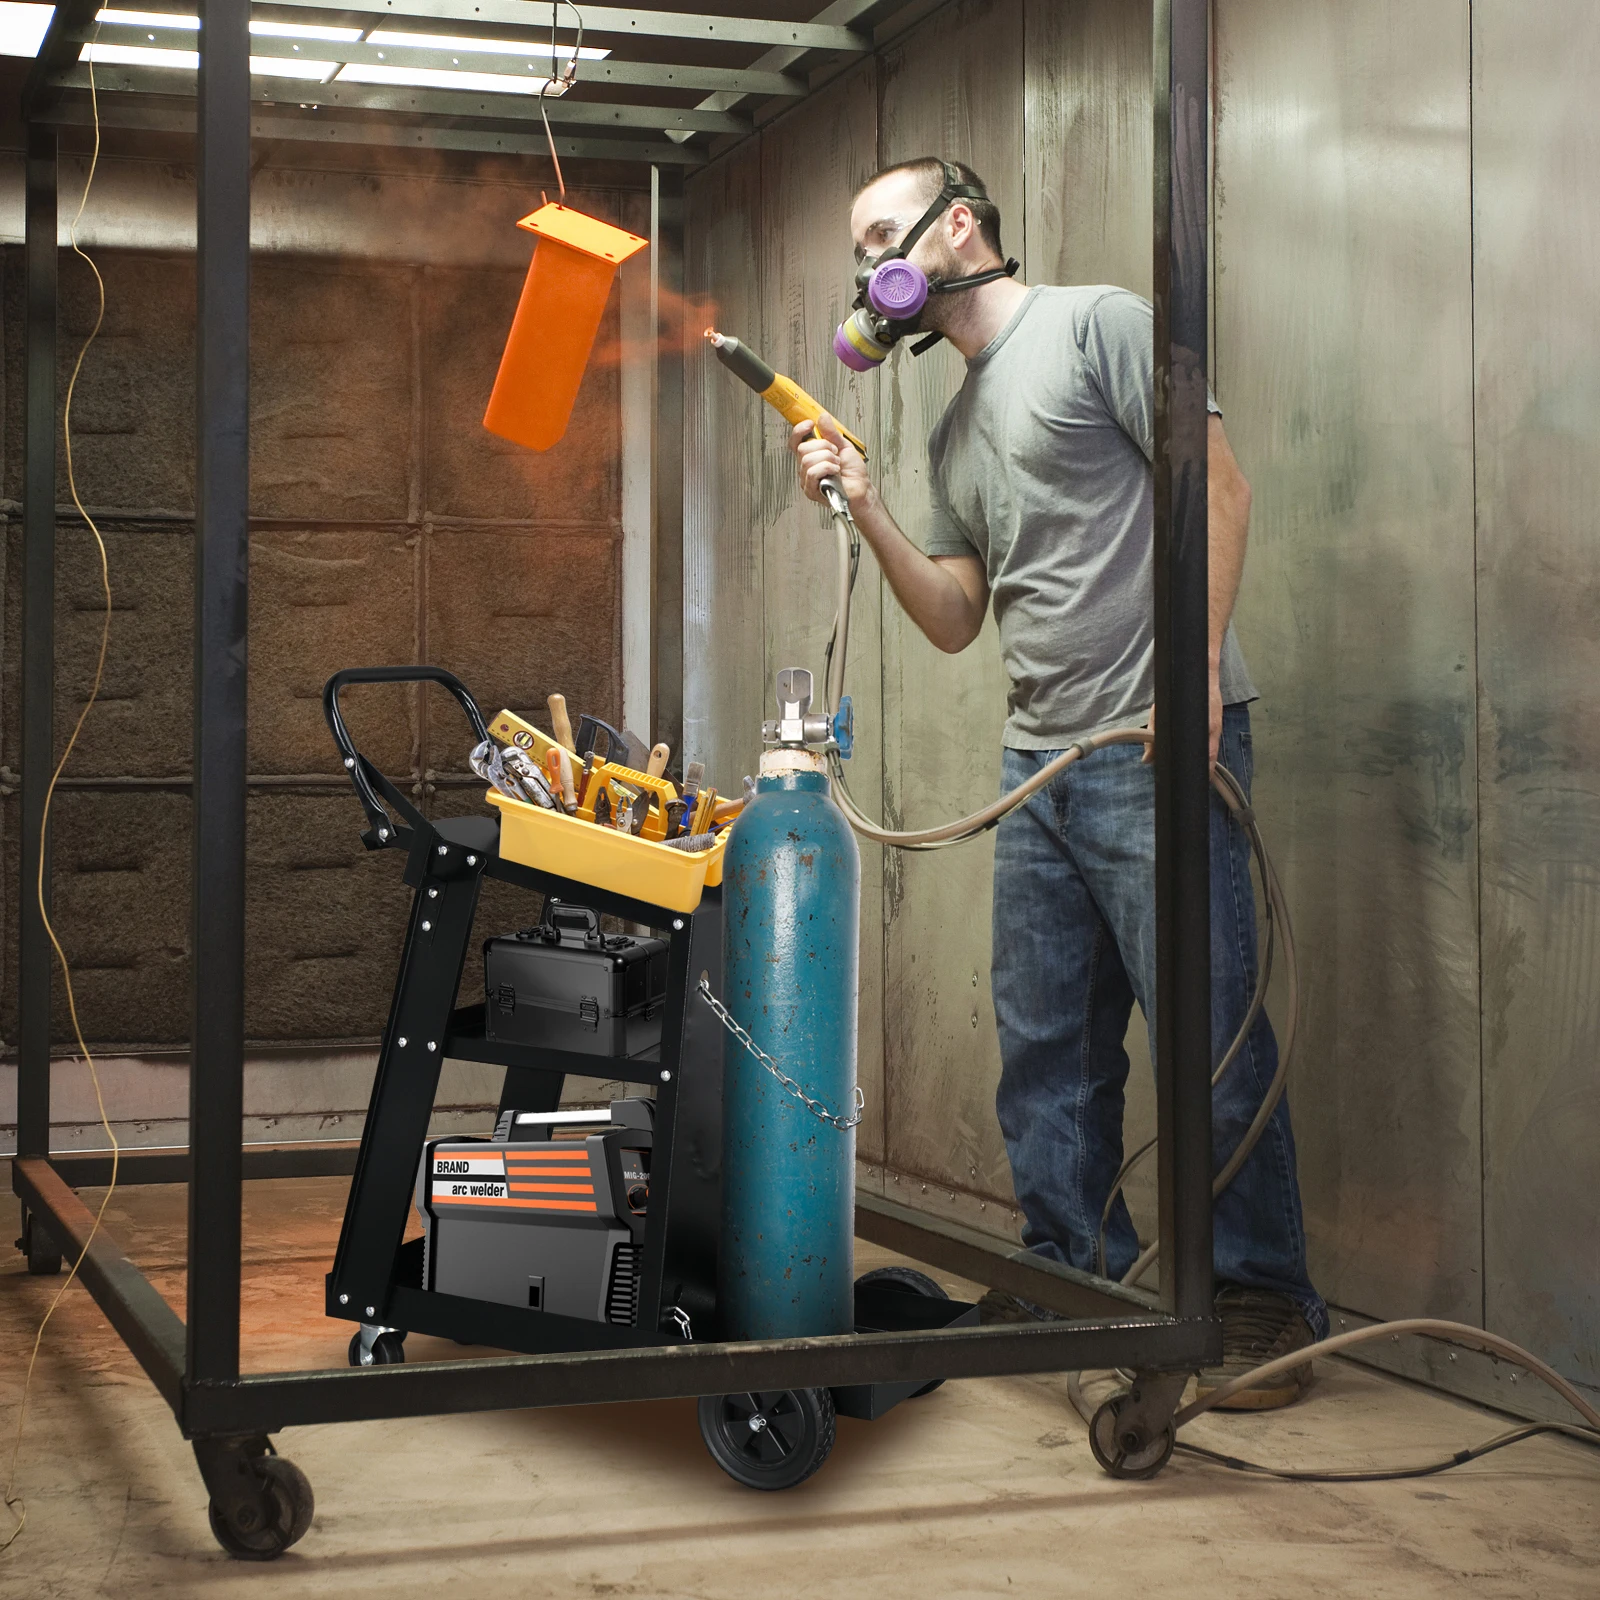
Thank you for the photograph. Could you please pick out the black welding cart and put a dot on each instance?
(616, 1256)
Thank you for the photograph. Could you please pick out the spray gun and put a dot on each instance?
(784, 395)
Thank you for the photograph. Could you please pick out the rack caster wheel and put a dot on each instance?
(917, 1283)
(377, 1347)
(246, 1534)
(1127, 1452)
(771, 1440)
(44, 1260)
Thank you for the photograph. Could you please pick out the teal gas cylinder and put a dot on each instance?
(791, 887)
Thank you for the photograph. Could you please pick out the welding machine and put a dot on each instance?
(548, 1213)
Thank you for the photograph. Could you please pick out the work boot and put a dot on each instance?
(1258, 1326)
(1000, 1306)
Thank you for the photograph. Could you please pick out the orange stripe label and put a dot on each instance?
(527, 1205)
(552, 1188)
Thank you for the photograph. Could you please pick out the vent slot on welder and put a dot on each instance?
(622, 1295)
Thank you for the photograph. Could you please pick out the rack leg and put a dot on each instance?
(450, 859)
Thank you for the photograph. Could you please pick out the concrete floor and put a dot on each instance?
(985, 1488)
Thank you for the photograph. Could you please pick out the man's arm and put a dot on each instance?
(946, 596)
(1227, 531)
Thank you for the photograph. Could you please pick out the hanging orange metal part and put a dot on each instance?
(557, 317)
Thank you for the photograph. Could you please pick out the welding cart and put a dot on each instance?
(538, 1243)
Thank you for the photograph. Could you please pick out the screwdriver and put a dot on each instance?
(784, 395)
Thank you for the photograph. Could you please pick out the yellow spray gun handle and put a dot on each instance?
(794, 405)
(784, 395)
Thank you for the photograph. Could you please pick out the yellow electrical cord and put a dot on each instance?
(14, 1501)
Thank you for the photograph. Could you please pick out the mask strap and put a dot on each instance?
(947, 196)
(1009, 270)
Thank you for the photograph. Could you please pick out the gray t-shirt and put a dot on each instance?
(1041, 468)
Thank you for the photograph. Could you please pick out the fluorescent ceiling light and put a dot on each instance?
(303, 30)
(137, 55)
(148, 19)
(442, 78)
(288, 67)
(132, 55)
(488, 47)
(22, 27)
(265, 30)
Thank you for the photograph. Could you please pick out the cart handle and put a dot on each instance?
(371, 787)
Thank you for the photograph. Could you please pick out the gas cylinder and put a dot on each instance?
(791, 902)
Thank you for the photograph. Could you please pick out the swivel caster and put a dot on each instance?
(1124, 1450)
(44, 1260)
(917, 1283)
(377, 1347)
(260, 1503)
(771, 1440)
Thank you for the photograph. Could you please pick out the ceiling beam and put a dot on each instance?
(57, 50)
(407, 101)
(282, 123)
(615, 20)
(636, 74)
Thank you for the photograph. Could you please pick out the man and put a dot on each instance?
(1042, 499)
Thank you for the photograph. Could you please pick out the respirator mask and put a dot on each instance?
(891, 291)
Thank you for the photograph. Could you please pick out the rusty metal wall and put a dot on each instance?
(1344, 368)
(387, 527)
(1427, 758)
(954, 89)
(1537, 276)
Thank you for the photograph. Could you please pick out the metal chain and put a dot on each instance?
(816, 1107)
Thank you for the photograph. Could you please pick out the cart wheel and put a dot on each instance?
(771, 1440)
(917, 1283)
(388, 1350)
(44, 1260)
(290, 1507)
(1127, 1455)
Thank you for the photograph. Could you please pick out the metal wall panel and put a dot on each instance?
(1537, 245)
(812, 162)
(1089, 218)
(1089, 135)
(1343, 364)
(954, 88)
(724, 653)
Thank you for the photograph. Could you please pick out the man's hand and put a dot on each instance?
(830, 456)
(1216, 721)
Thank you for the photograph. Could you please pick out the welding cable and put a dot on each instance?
(833, 658)
(1584, 1433)
(1278, 910)
(14, 1501)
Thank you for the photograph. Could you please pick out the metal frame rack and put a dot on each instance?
(194, 1362)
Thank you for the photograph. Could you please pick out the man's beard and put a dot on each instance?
(944, 268)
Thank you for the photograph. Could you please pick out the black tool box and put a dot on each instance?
(567, 986)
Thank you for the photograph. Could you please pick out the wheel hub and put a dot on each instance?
(757, 1423)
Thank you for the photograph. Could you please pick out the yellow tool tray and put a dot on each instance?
(618, 862)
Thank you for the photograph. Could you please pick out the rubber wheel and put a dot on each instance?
(388, 1350)
(918, 1283)
(769, 1440)
(44, 1260)
(291, 1506)
(1123, 1457)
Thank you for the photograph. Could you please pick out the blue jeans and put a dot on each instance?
(1074, 947)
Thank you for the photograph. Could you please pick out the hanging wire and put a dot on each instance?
(13, 1500)
(569, 76)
